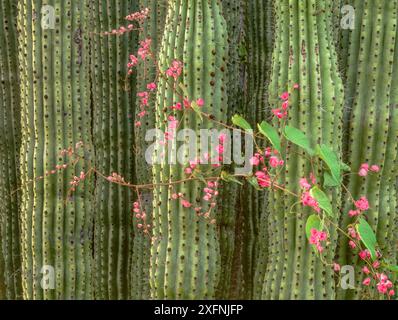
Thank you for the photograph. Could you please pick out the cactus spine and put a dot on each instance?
(372, 122)
(113, 102)
(152, 28)
(9, 149)
(303, 53)
(55, 105)
(185, 257)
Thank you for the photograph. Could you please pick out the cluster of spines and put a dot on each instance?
(372, 72)
(55, 114)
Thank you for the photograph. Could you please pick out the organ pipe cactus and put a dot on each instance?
(56, 232)
(152, 28)
(185, 256)
(371, 60)
(303, 54)
(10, 280)
(113, 109)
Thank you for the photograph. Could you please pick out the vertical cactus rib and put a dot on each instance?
(304, 53)
(372, 123)
(10, 281)
(185, 257)
(229, 207)
(257, 54)
(113, 109)
(152, 28)
(55, 113)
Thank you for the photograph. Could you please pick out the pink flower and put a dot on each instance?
(362, 204)
(365, 166)
(336, 267)
(375, 168)
(296, 86)
(352, 244)
(365, 270)
(366, 282)
(284, 96)
(188, 170)
(273, 162)
(364, 254)
(363, 173)
(352, 233)
(376, 264)
(144, 48)
(175, 69)
(263, 179)
(200, 102)
(353, 213)
(384, 284)
(254, 161)
(222, 137)
(307, 200)
(186, 204)
(174, 196)
(316, 238)
(151, 86)
(285, 105)
(391, 292)
(138, 124)
(304, 184)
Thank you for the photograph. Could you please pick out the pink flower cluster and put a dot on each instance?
(317, 237)
(138, 16)
(309, 201)
(210, 194)
(281, 112)
(141, 217)
(361, 205)
(364, 169)
(263, 178)
(116, 178)
(76, 181)
(384, 285)
(175, 69)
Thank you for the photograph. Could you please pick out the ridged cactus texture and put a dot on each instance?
(303, 53)
(258, 49)
(230, 246)
(371, 60)
(10, 279)
(56, 232)
(113, 109)
(185, 255)
(152, 28)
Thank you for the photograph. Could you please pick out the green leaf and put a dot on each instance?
(240, 122)
(313, 222)
(299, 138)
(229, 178)
(323, 200)
(367, 236)
(331, 159)
(271, 133)
(253, 181)
(329, 181)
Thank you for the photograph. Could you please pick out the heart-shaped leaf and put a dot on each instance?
(323, 200)
(271, 133)
(299, 138)
(368, 237)
(332, 161)
(241, 122)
